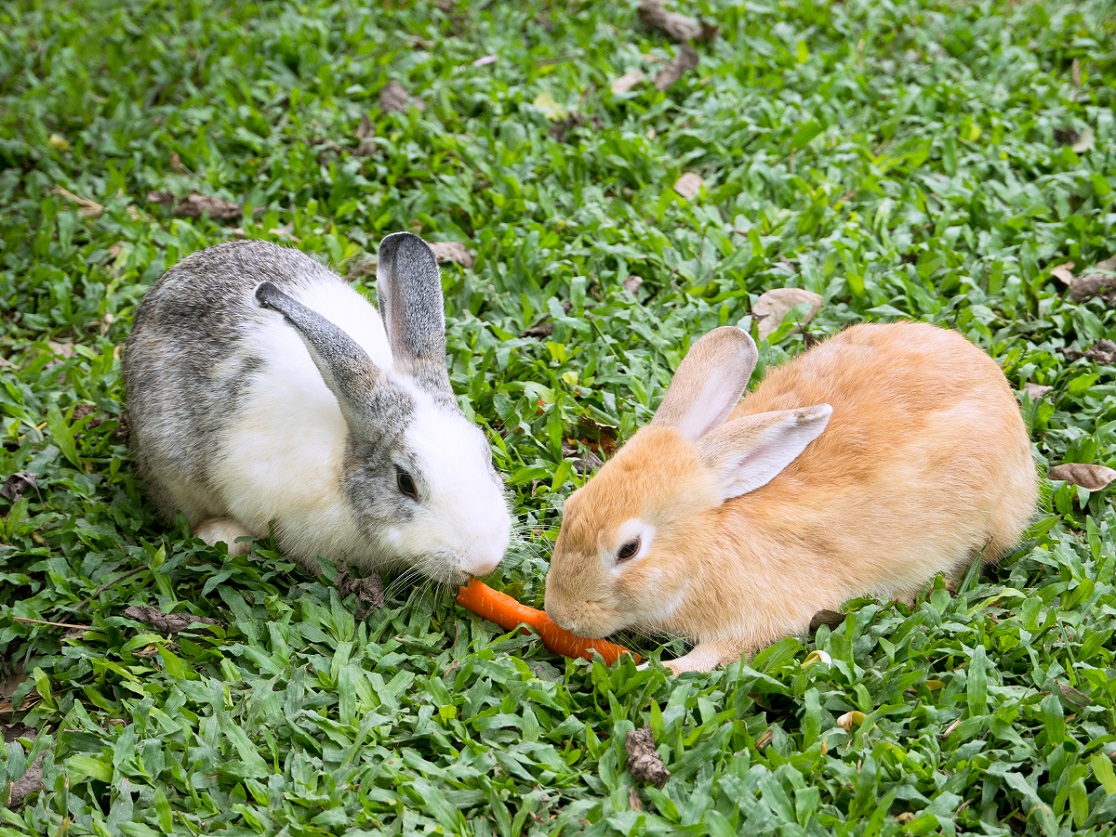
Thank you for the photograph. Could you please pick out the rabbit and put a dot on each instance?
(875, 460)
(266, 395)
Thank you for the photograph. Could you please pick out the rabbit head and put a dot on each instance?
(416, 474)
(625, 554)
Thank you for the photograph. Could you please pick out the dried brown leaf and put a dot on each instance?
(633, 799)
(679, 27)
(831, 618)
(394, 98)
(364, 129)
(170, 623)
(627, 81)
(196, 206)
(1064, 272)
(1036, 391)
(688, 185)
(765, 739)
(1103, 351)
(1107, 264)
(31, 782)
(453, 252)
(369, 591)
(559, 129)
(774, 305)
(176, 163)
(86, 208)
(1092, 477)
(544, 328)
(1084, 288)
(17, 484)
(633, 283)
(679, 65)
(644, 762)
(1075, 73)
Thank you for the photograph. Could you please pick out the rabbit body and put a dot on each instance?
(247, 425)
(911, 459)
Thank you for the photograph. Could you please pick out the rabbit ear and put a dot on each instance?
(409, 289)
(346, 368)
(747, 453)
(708, 383)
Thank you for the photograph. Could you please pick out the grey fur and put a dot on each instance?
(346, 368)
(409, 289)
(189, 369)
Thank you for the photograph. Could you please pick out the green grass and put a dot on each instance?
(908, 158)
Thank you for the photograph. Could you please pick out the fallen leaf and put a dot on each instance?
(59, 142)
(688, 185)
(562, 127)
(1107, 264)
(1092, 477)
(31, 782)
(683, 62)
(850, 720)
(774, 305)
(16, 485)
(369, 591)
(679, 27)
(394, 98)
(86, 207)
(1065, 136)
(1084, 288)
(1103, 351)
(1084, 142)
(453, 252)
(766, 737)
(644, 762)
(364, 129)
(176, 163)
(1036, 391)
(1075, 73)
(633, 799)
(585, 463)
(544, 328)
(1073, 696)
(171, 623)
(633, 283)
(196, 206)
(1064, 272)
(549, 106)
(627, 81)
(831, 618)
(485, 61)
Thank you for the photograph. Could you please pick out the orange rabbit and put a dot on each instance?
(881, 457)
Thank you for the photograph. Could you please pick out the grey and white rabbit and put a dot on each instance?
(265, 394)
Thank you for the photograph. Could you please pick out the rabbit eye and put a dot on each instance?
(406, 483)
(628, 550)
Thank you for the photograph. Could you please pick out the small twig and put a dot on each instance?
(52, 624)
(107, 585)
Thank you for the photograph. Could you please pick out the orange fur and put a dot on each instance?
(924, 465)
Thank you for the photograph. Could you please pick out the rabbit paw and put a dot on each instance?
(225, 530)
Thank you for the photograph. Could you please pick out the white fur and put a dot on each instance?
(294, 418)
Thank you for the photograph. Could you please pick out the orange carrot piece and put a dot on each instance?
(506, 612)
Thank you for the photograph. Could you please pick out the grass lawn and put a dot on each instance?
(930, 159)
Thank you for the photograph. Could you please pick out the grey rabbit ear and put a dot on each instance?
(346, 368)
(409, 289)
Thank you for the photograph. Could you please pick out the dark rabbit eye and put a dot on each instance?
(628, 550)
(406, 483)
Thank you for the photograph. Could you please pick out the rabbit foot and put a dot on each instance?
(706, 656)
(225, 530)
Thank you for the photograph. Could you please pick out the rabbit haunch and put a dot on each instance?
(301, 420)
(881, 457)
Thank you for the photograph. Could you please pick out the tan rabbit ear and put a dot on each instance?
(747, 453)
(708, 383)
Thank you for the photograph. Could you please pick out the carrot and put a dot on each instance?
(506, 612)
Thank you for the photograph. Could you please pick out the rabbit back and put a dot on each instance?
(925, 463)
